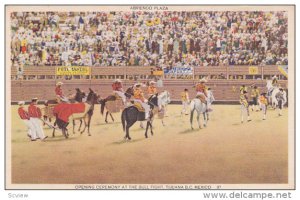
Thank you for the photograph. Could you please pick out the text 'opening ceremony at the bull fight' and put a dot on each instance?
(150, 95)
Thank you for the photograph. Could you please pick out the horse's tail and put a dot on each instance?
(123, 118)
(192, 105)
(102, 102)
(192, 108)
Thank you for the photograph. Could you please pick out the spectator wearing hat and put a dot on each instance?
(35, 116)
(25, 118)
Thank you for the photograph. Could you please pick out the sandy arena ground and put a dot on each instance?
(224, 152)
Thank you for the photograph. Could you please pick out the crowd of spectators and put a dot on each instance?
(164, 39)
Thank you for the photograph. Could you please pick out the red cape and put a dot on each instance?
(65, 110)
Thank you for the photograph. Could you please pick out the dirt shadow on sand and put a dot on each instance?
(190, 130)
(127, 141)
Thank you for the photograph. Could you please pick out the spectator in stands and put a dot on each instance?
(202, 38)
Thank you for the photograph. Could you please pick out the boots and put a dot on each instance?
(248, 119)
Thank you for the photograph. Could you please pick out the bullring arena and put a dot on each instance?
(226, 151)
(89, 50)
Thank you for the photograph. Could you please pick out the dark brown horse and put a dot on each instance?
(131, 114)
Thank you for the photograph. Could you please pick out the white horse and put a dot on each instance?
(163, 100)
(272, 91)
(200, 108)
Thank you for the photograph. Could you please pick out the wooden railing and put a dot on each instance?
(224, 89)
(227, 72)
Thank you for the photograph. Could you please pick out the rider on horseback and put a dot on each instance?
(118, 89)
(201, 90)
(138, 96)
(59, 93)
(152, 90)
(275, 81)
(273, 85)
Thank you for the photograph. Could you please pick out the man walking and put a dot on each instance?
(25, 118)
(35, 115)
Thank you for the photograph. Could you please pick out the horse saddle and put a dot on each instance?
(139, 106)
(202, 98)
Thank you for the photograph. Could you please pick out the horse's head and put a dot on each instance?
(269, 84)
(129, 92)
(153, 101)
(92, 97)
(164, 97)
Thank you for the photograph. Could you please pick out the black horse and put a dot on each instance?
(128, 93)
(130, 115)
(92, 99)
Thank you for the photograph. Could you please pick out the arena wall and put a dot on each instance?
(40, 81)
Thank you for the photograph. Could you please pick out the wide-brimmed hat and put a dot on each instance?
(137, 84)
(20, 103)
(59, 83)
(34, 99)
(152, 82)
(203, 80)
(118, 81)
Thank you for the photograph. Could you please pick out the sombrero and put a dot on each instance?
(59, 83)
(118, 80)
(137, 84)
(21, 103)
(203, 80)
(152, 82)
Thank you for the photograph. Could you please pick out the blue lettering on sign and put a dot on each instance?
(179, 71)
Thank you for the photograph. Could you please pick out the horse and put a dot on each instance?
(112, 98)
(163, 100)
(49, 104)
(131, 114)
(201, 108)
(272, 91)
(92, 99)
